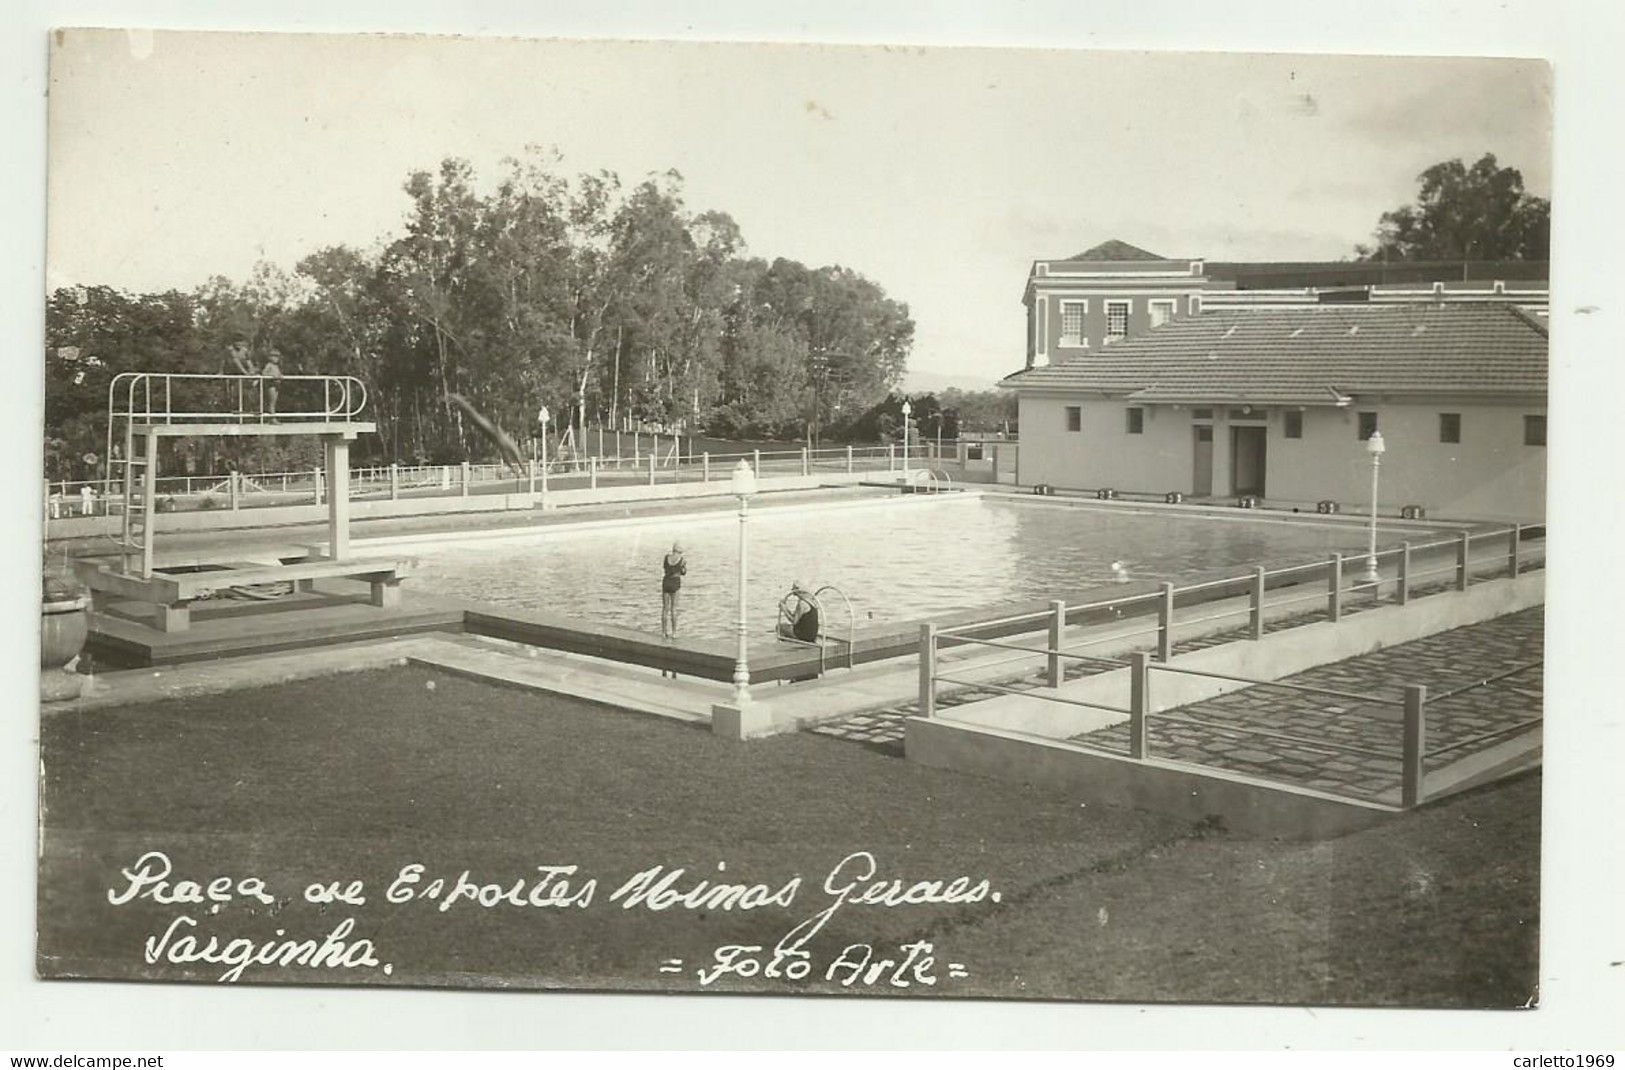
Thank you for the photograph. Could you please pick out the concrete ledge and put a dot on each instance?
(1481, 767)
(1240, 803)
(451, 504)
(751, 721)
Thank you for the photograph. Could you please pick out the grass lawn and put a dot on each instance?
(353, 777)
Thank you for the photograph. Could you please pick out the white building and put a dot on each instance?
(1276, 403)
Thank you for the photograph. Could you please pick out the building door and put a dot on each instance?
(1202, 481)
(1247, 460)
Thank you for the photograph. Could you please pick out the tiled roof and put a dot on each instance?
(1116, 250)
(1315, 355)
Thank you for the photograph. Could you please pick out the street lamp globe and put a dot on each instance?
(743, 480)
(907, 409)
(1374, 445)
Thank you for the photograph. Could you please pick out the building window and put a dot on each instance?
(1136, 421)
(1116, 320)
(1161, 312)
(1292, 425)
(1534, 430)
(1450, 427)
(1072, 313)
(1074, 418)
(1368, 425)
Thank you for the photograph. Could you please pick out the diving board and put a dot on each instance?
(144, 408)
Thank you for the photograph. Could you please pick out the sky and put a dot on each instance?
(939, 173)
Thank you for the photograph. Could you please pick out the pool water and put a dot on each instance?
(897, 560)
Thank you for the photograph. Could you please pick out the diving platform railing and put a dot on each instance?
(154, 405)
(170, 397)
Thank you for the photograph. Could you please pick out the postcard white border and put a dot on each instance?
(1583, 859)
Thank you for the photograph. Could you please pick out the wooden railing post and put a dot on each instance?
(1411, 790)
(849, 459)
(467, 476)
(1139, 702)
(1334, 588)
(394, 481)
(1165, 623)
(1403, 587)
(654, 458)
(592, 473)
(1255, 619)
(318, 473)
(806, 462)
(891, 457)
(1057, 631)
(1514, 536)
(705, 467)
(928, 670)
(234, 482)
(1463, 560)
(756, 461)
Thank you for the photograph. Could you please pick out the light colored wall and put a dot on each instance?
(1489, 475)
(1103, 454)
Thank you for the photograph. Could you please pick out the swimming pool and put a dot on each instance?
(897, 559)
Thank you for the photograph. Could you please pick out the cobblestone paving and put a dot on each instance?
(1242, 731)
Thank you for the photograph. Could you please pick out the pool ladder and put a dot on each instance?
(823, 633)
(933, 478)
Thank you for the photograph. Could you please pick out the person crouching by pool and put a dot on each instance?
(798, 615)
(671, 588)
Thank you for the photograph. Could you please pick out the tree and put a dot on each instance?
(576, 293)
(1462, 213)
(92, 333)
(984, 411)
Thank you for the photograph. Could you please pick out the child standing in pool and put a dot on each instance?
(671, 586)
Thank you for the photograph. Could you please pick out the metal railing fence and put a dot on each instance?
(1460, 567)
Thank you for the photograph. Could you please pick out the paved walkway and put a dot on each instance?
(1244, 731)
(1230, 733)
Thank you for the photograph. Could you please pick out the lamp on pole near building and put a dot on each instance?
(1374, 446)
(907, 408)
(542, 418)
(743, 486)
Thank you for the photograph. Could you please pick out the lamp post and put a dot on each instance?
(1374, 446)
(907, 408)
(743, 486)
(542, 418)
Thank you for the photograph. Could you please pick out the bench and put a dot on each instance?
(172, 594)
